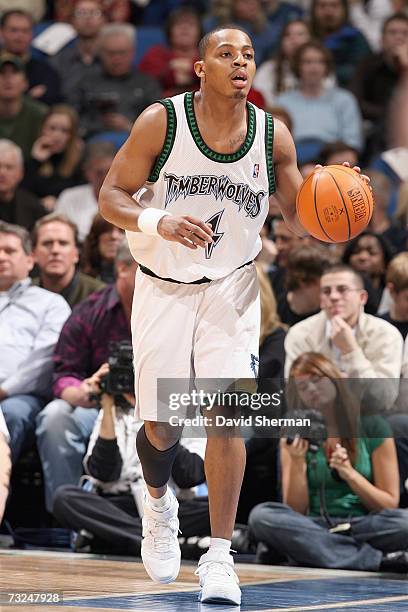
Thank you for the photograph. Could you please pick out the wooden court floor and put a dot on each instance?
(89, 583)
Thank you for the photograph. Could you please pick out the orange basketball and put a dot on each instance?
(334, 203)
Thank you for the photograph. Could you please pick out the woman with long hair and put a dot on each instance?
(275, 75)
(319, 113)
(55, 159)
(340, 483)
(100, 249)
(272, 336)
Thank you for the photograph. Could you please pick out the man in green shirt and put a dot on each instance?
(56, 255)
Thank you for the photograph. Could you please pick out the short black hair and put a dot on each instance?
(386, 247)
(206, 39)
(394, 17)
(19, 12)
(343, 267)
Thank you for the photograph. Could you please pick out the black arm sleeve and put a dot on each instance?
(188, 469)
(105, 462)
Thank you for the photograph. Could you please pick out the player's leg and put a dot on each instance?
(162, 329)
(226, 350)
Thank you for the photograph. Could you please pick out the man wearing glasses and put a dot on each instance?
(361, 345)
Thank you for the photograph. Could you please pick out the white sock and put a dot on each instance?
(160, 504)
(220, 544)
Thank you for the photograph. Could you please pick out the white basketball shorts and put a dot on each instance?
(184, 332)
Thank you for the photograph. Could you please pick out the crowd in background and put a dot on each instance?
(74, 76)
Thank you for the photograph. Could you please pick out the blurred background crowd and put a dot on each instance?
(74, 76)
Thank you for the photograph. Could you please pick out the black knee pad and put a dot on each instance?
(156, 464)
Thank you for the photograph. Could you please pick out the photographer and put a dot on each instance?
(343, 497)
(65, 424)
(107, 518)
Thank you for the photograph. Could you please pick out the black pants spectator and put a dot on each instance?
(114, 519)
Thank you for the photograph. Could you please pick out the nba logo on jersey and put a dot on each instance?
(256, 171)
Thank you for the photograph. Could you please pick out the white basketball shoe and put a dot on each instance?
(218, 581)
(160, 546)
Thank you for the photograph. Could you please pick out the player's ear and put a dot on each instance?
(199, 69)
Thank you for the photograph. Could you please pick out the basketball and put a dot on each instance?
(334, 204)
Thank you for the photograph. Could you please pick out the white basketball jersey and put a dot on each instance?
(229, 191)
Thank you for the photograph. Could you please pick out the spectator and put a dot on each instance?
(381, 222)
(110, 518)
(305, 267)
(329, 20)
(16, 205)
(362, 346)
(401, 214)
(267, 255)
(250, 15)
(112, 99)
(369, 17)
(80, 204)
(65, 424)
(377, 76)
(362, 528)
(16, 29)
(261, 471)
(275, 75)
(280, 13)
(31, 319)
(5, 465)
(337, 153)
(76, 62)
(272, 335)
(285, 241)
(397, 285)
(100, 249)
(369, 254)
(20, 116)
(173, 64)
(55, 250)
(55, 156)
(319, 114)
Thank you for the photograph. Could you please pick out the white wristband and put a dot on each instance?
(148, 220)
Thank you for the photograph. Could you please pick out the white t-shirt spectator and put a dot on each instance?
(80, 205)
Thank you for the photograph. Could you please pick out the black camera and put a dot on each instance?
(120, 378)
(313, 428)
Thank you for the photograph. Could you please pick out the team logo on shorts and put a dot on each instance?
(255, 173)
(255, 365)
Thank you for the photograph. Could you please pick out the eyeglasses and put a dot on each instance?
(340, 289)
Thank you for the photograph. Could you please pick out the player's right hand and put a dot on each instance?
(186, 230)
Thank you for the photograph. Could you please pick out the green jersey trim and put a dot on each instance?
(168, 143)
(269, 133)
(224, 158)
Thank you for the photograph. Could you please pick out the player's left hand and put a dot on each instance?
(355, 168)
(358, 170)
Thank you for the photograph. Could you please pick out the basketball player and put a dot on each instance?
(201, 168)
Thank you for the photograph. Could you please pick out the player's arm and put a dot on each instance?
(288, 177)
(130, 170)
